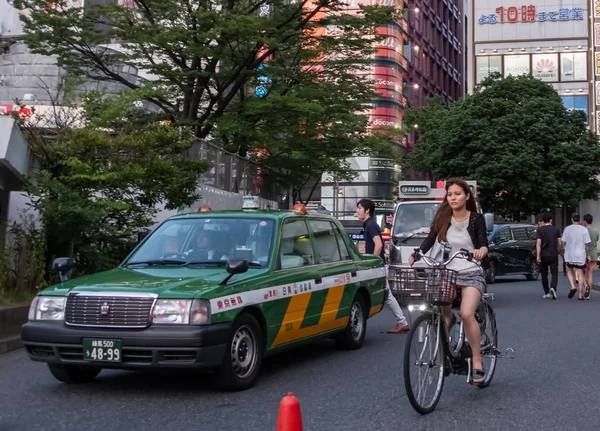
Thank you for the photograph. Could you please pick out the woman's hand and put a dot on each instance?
(411, 260)
(480, 253)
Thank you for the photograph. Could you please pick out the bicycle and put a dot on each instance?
(430, 345)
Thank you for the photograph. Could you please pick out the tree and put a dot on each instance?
(515, 137)
(100, 182)
(207, 57)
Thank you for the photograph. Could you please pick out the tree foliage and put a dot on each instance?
(515, 137)
(205, 58)
(101, 182)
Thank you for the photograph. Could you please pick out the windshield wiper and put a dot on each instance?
(416, 232)
(220, 263)
(206, 262)
(157, 262)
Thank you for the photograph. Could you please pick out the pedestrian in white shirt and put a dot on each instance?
(576, 243)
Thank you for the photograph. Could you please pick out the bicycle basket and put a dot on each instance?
(436, 286)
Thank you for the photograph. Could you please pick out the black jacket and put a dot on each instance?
(477, 232)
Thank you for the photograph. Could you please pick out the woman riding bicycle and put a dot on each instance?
(458, 223)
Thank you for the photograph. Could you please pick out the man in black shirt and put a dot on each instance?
(548, 247)
(365, 210)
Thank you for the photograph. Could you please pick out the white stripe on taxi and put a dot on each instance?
(267, 294)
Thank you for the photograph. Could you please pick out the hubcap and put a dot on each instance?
(243, 352)
(356, 321)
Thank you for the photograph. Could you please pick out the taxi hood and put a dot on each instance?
(166, 282)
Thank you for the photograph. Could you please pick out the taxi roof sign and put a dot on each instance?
(422, 189)
(251, 203)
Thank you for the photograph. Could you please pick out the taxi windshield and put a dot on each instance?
(414, 219)
(207, 241)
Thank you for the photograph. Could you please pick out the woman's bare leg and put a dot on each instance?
(470, 300)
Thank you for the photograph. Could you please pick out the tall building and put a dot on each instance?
(543, 39)
(556, 42)
(422, 55)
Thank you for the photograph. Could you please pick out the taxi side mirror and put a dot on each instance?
(63, 265)
(235, 266)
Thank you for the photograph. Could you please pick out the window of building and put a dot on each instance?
(487, 65)
(545, 67)
(576, 103)
(573, 66)
(516, 65)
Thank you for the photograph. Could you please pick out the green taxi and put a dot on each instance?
(215, 290)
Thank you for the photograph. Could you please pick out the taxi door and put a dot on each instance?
(296, 280)
(329, 307)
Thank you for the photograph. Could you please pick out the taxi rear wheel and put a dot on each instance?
(243, 355)
(73, 373)
(353, 336)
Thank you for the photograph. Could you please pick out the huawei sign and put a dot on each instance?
(544, 66)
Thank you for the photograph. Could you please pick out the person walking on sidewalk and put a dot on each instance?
(365, 210)
(576, 241)
(548, 247)
(593, 260)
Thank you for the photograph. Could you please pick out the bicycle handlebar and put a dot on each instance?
(462, 253)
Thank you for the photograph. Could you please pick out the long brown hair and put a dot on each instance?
(442, 218)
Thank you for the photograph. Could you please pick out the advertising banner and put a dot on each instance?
(386, 117)
(596, 8)
(597, 33)
(496, 20)
(545, 67)
(597, 85)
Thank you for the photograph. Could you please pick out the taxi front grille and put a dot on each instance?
(109, 310)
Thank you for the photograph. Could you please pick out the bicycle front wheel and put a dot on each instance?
(424, 363)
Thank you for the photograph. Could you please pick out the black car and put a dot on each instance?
(512, 251)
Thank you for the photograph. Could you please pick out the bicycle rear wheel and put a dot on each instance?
(489, 344)
(424, 364)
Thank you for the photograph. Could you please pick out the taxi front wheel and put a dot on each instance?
(353, 336)
(243, 355)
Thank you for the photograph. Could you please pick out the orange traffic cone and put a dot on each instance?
(290, 418)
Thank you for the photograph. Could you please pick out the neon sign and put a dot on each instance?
(529, 13)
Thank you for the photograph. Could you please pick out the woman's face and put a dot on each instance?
(456, 197)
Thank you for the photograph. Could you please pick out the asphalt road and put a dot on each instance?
(552, 384)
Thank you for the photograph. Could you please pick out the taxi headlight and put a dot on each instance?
(172, 311)
(181, 312)
(47, 308)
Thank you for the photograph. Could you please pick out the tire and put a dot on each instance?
(354, 335)
(489, 335)
(243, 355)
(534, 271)
(415, 354)
(73, 373)
(490, 274)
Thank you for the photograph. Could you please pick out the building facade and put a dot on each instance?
(548, 40)
(422, 55)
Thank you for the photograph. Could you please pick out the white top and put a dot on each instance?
(575, 238)
(459, 237)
